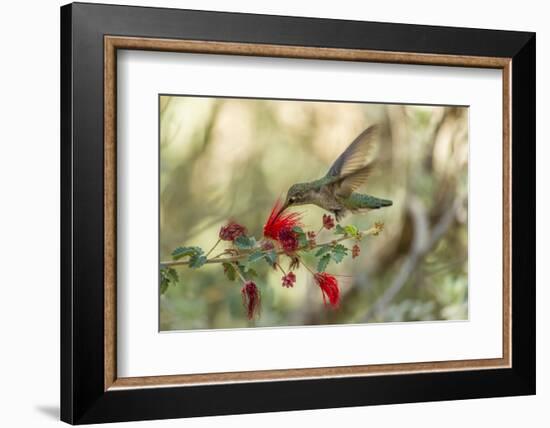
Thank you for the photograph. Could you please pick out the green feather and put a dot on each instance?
(357, 201)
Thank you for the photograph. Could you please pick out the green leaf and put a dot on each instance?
(252, 258)
(352, 230)
(255, 256)
(168, 276)
(243, 268)
(244, 242)
(339, 230)
(180, 252)
(271, 257)
(229, 271)
(323, 263)
(172, 275)
(301, 235)
(197, 261)
(339, 252)
(323, 250)
(246, 270)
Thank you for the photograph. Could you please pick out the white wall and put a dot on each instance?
(29, 213)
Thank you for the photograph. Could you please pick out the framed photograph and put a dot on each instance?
(266, 213)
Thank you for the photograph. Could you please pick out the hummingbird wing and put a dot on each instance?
(352, 169)
(355, 156)
(345, 186)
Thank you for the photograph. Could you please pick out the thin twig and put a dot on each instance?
(281, 268)
(240, 274)
(212, 249)
(307, 267)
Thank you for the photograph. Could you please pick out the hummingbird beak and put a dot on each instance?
(283, 208)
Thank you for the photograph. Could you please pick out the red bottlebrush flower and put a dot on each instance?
(289, 279)
(355, 251)
(328, 221)
(278, 221)
(329, 287)
(231, 231)
(251, 299)
(289, 240)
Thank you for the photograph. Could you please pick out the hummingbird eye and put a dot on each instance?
(291, 200)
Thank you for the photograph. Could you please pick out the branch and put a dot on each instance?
(424, 240)
(375, 230)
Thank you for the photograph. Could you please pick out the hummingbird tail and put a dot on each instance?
(376, 203)
(361, 202)
(385, 203)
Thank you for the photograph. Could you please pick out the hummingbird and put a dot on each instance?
(336, 191)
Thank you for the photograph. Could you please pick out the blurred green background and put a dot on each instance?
(227, 158)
